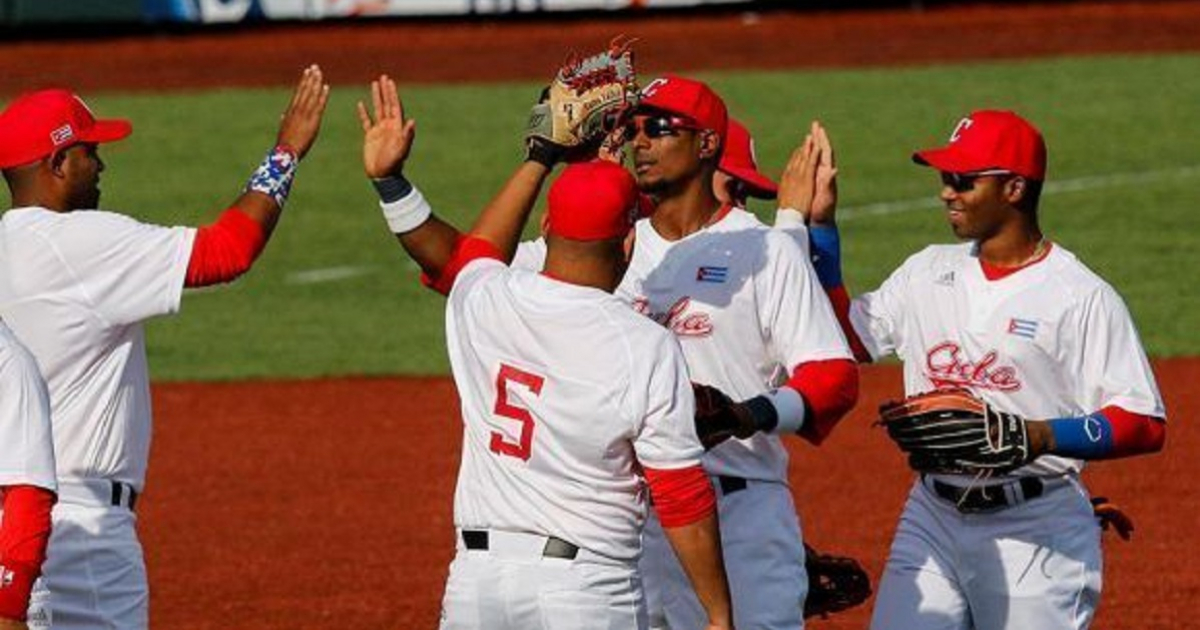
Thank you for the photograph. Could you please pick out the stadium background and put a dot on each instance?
(306, 437)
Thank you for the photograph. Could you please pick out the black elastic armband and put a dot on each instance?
(763, 412)
(392, 188)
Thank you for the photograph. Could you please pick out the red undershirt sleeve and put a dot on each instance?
(224, 250)
(829, 389)
(24, 534)
(466, 249)
(1134, 433)
(681, 497)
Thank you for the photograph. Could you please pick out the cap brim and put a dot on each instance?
(757, 184)
(949, 161)
(107, 131)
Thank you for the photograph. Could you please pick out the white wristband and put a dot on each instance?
(408, 213)
(789, 405)
(789, 218)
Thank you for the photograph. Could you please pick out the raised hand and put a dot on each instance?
(388, 137)
(798, 183)
(302, 119)
(824, 203)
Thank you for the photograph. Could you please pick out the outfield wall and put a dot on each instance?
(40, 14)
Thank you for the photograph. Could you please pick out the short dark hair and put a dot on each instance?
(1033, 194)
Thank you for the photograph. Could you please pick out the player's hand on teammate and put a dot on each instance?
(387, 136)
(302, 120)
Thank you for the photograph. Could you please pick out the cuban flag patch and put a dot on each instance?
(1026, 328)
(712, 274)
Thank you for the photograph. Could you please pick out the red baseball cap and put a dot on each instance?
(737, 161)
(687, 98)
(990, 139)
(39, 123)
(592, 201)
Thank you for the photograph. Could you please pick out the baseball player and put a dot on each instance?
(1020, 322)
(566, 396)
(75, 286)
(27, 483)
(745, 304)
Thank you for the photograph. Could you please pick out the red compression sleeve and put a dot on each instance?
(840, 299)
(466, 249)
(1134, 433)
(224, 250)
(829, 389)
(681, 497)
(24, 533)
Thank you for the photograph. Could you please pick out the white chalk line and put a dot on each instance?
(1078, 184)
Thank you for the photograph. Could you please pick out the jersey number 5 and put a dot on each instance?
(533, 383)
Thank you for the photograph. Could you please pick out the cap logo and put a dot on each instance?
(962, 126)
(62, 135)
(653, 87)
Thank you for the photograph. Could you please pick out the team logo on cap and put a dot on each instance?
(62, 135)
(653, 87)
(962, 126)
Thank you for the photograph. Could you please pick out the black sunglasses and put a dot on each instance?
(656, 126)
(965, 182)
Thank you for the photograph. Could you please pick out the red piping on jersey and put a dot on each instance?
(24, 534)
(681, 497)
(829, 389)
(721, 213)
(994, 272)
(840, 299)
(1134, 433)
(224, 250)
(466, 249)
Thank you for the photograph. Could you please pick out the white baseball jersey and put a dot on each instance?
(1048, 341)
(747, 308)
(564, 391)
(75, 288)
(26, 452)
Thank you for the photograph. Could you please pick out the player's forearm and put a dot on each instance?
(503, 219)
(1109, 433)
(24, 534)
(698, 546)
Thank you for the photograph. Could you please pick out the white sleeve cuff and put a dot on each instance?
(789, 218)
(789, 405)
(408, 213)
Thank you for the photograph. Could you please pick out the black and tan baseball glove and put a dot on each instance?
(951, 431)
(835, 583)
(588, 99)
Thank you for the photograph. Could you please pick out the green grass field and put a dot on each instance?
(334, 294)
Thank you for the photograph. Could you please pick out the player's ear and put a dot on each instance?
(710, 144)
(55, 163)
(1014, 189)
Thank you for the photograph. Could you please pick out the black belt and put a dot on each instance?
(991, 497)
(123, 494)
(729, 485)
(477, 540)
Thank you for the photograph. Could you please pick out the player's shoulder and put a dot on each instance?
(1073, 279)
(16, 362)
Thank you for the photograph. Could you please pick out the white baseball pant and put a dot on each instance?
(513, 585)
(764, 562)
(94, 575)
(1035, 565)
